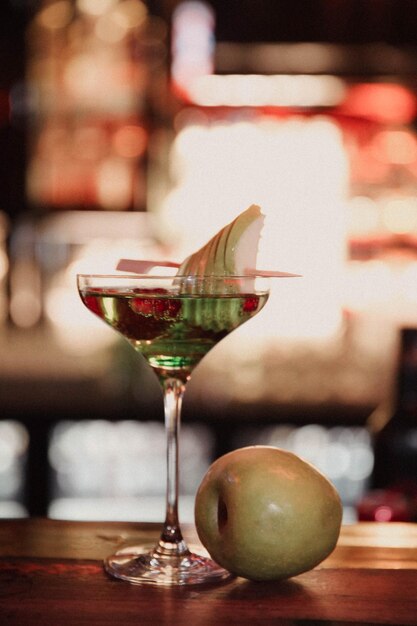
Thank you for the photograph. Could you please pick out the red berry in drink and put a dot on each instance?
(250, 304)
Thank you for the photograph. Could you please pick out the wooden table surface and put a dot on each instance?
(51, 575)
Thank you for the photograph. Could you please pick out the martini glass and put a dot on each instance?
(173, 321)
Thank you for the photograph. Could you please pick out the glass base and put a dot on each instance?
(142, 565)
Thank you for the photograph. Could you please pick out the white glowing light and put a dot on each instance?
(87, 77)
(76, 328)
(364, 216)
(399, 214)
(368, 286)
(297, 171)
(192, 42)
(258, 90)
(83, 75)
(385, 290)
(95, 7)
(408, 283)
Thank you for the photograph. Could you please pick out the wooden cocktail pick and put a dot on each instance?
(143, 266)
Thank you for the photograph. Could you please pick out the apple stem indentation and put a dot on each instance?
(221, 515)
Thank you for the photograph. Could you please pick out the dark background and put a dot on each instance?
(340, 21)
(336, 21)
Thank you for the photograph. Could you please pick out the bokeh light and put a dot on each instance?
(130, 141)
(56, 15)
(95, 7)
(383, 102)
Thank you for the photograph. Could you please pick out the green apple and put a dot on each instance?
(265, 514)
(232, 251)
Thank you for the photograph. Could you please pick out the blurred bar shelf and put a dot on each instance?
(40, 392)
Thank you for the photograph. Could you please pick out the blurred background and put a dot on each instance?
(137, 129)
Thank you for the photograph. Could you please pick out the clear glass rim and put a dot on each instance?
(175, 276)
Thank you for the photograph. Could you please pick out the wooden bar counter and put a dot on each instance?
(51, 574)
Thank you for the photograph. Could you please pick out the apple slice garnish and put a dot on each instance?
(231, 252)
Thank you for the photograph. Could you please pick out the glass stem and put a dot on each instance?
(171, 542)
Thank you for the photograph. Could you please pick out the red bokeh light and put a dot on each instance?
(387, 103)
(130, 141)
